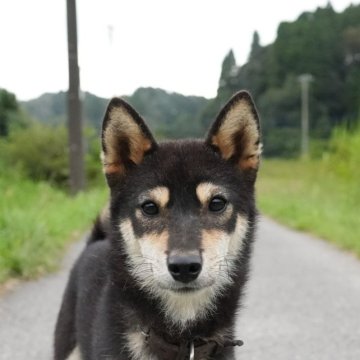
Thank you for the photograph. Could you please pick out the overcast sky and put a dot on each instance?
(124, 44)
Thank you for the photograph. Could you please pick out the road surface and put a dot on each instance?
(302, 303)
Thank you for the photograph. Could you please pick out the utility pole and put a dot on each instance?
(76, 148)
(305, 80)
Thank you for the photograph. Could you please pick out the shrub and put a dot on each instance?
(41, 153)
(344, 156)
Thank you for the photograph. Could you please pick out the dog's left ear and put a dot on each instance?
(235, 133)
(125, 139)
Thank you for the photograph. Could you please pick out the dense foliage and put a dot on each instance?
(8, 110)
(324, 44)
(39, 151)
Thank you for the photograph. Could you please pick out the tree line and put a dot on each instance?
(324, 43)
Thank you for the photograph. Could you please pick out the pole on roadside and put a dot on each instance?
(305, 80)
(76, 147)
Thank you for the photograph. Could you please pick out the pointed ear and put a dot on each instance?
(235, 133)
(125, 138)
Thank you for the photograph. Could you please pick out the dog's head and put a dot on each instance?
(181, 210)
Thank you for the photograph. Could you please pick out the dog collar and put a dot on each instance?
(196, 349)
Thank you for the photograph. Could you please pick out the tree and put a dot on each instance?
(227, 77)
(8, 106)
(255, 46)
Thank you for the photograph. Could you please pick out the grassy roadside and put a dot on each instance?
(318, 196)
(37, 221)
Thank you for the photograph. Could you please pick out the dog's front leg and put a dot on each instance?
(122, 354)
(65, 335)
(108, 346)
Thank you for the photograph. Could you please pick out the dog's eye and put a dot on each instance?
(150, 208)
(217, 204)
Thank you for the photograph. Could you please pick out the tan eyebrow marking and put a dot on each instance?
(205, 191)
(160, 194)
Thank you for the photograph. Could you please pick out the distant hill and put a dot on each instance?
(169, 115)
(50, 108)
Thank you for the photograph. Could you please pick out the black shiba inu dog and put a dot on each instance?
(164, 268)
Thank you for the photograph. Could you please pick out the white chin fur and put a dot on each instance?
(182, 308)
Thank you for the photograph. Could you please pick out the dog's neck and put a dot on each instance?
(194, 348)
(155, 343)
(146, 312)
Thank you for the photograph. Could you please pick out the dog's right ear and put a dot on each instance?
(125, 139)
(235, 133)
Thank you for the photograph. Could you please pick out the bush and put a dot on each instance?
(41, 153)
(344, 155)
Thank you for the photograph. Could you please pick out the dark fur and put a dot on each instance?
(102, 301)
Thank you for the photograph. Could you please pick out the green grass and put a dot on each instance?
(38, 221)
(318, 196)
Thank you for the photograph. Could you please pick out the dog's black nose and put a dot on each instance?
(184, 268)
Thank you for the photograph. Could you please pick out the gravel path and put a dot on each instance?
(303, 302)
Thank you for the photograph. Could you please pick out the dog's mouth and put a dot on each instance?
(188, 289)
